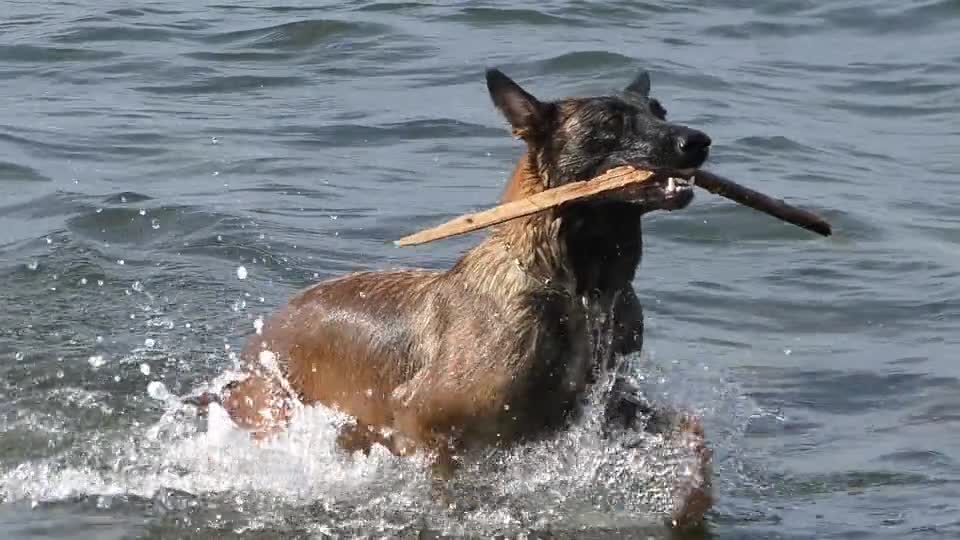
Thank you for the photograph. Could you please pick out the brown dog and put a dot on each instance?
(502, 347)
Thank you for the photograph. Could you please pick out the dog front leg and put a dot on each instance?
(628, 322)
(628, 410)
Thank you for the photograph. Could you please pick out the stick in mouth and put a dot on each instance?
(612, 182)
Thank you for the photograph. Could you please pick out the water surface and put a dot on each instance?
(148, 151)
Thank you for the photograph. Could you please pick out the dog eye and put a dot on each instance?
(657, 109)
(613, 127)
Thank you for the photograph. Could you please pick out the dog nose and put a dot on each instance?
(691, 141)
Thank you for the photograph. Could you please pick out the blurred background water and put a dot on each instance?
(147, 151)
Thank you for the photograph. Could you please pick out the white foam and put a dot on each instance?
(575, 479)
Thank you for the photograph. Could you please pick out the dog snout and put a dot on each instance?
(691, 142)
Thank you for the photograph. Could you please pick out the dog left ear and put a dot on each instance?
(526, 114)
(640, 85)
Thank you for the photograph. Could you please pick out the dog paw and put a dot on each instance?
(693, 496)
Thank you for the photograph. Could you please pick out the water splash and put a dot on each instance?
(576, 479)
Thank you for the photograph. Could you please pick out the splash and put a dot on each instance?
(577, 479)
(205, 469)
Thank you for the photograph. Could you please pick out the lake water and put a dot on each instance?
(148, 152)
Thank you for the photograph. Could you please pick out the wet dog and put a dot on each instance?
(502, 347)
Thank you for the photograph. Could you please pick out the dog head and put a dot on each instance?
(578, 138)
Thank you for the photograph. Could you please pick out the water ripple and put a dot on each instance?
(150, 149)
(298, 35)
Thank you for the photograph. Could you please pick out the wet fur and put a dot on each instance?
(502, 347)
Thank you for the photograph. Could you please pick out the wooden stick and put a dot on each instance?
(618, 179)
(612, 180)
(758, 201)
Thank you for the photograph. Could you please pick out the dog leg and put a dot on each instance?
(628, 323)
(693, 495)
(257, 404)
(421, 425)
(357, 436)
(627, 410)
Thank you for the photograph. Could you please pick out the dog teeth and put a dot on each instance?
(676, 184)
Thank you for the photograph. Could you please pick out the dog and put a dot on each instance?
(501, 348)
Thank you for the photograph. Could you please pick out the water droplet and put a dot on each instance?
(241, 272)
(121, 261)
(216, 173)
(268, 360)
(157, 391)
(49, 241)
(96, 361)
(145, 369)
(83, 281)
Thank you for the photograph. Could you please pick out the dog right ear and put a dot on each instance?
(640, 85)
(525, 113)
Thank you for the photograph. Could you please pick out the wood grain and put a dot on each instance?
(615, 179)
(620, 179)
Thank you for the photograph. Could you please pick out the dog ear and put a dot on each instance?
(640, 85)
(525, 113)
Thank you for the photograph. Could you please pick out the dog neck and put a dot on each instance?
(581, 249)
(602, 242)
(527, 253)
(525, 181)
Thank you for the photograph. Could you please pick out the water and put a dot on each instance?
(148, 154)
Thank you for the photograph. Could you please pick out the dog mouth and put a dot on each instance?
(677, 185)
(673, 192)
